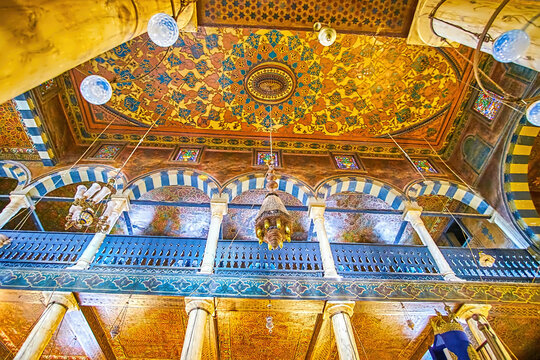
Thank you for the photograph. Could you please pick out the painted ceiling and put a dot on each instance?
(15, 143)
(226, 87)
(389, 18)
(153, 328)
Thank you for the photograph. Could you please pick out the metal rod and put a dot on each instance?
(290, 208)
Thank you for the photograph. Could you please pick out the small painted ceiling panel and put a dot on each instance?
(356, 16)
(232, 84)
(15, 143)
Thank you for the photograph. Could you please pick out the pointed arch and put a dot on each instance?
(451, 190)
(58, 179)
(15, 170)
(172, 177)
(516, 181)
(288, 184)
(362, 185)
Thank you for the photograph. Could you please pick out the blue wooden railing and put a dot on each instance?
(294, 259)
(510, 264)
(44, 249)
(384, 261)
(166, 254)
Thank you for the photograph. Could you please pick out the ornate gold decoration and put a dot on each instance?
(87, 204)
(4, 240)
(485, 259)
(273, 222)
(270, 82)
(442, 324)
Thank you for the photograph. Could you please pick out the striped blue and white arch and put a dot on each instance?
(185, 177)
(79, 174)
(393, 197)
(451, 190)
(15, 170)
(287, 184)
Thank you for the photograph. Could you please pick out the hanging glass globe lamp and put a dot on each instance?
(510, 46)
(533, 113)
(96, 89)
(163, 30)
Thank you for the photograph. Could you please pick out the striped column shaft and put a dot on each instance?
(516, 182)
(30, 117)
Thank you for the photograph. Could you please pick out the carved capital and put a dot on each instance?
(65, 299)
(121, 203)
(466, 311)
(20, 200)
(316, 209)
(206, 304)
(412, 213)
(337, 307)
(218, 208)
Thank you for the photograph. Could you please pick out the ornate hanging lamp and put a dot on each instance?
(273, 222)
(85, 211)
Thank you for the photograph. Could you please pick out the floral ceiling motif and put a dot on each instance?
(213, 83)
(355, 16)
(15, 142)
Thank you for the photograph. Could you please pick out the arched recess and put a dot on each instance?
(451, 190)
(17, 171)
(101, 173)
(172, 177)
(393, 197)
(287, 184)
(516, 181)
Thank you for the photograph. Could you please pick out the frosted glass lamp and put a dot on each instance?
(510, 46)
(533, 113)
(96, 89)
(163, 30)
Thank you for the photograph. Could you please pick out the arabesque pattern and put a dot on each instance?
(360, 88)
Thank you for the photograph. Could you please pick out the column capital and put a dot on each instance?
(316, 208)
(122, 202)
(466, 311)
(21, 198)
(219, 205)
(204, 303)
(412, 212)
(65, 299)
(336, 307)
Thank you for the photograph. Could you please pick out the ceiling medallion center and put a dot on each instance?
(270, 82)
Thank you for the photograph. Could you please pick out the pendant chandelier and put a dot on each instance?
(273, 222)
(87, 204)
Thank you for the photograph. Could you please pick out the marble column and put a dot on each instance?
(475, 315)
(199, 311)
(340, 313)
(218, 208)
(16, 203)
(121, 203)
(453, 17)
(508, 230)
(46, 38)
(48, 323)
(413, 217)
(316, 213)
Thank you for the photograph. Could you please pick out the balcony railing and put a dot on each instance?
(384, 261)
(43, 249)
(510, 264)
(166, 254)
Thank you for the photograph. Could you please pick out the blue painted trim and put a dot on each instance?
(400, 232)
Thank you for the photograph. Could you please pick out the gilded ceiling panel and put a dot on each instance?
(145, 332)
(387, 17)
(227, 88)
(15, 143)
